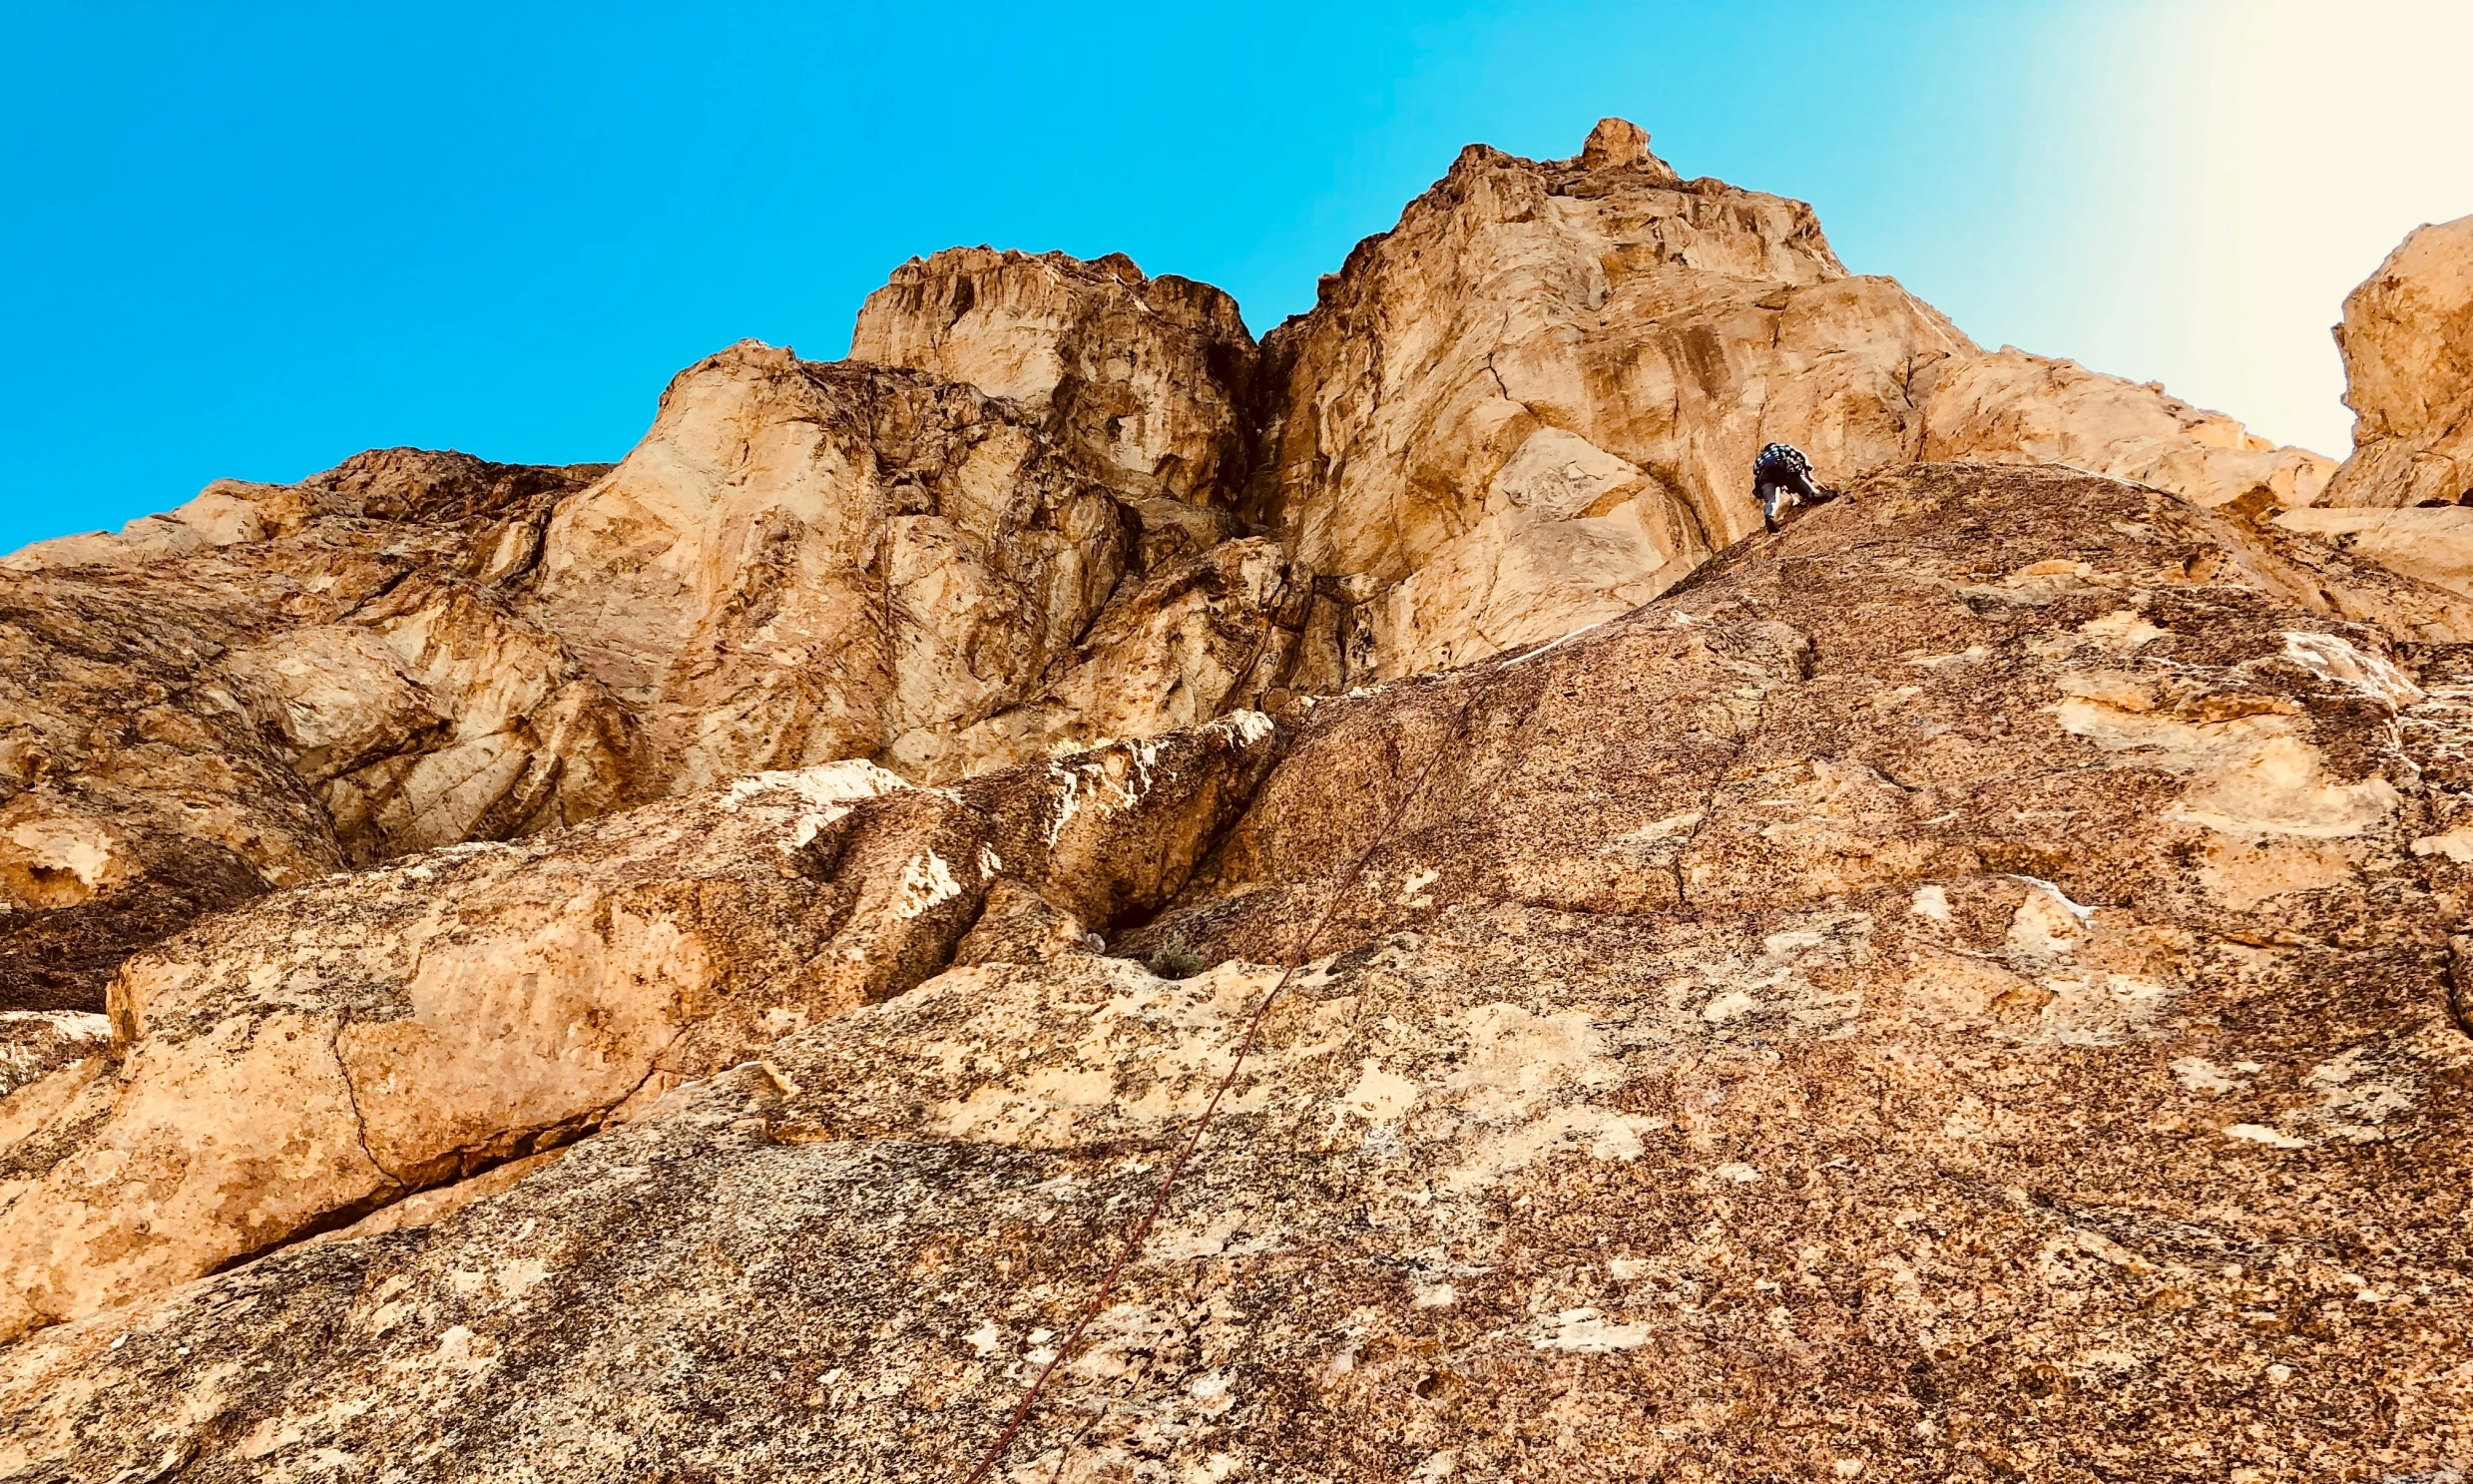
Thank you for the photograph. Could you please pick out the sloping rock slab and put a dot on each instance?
(287, 1069)
(2112, 1128)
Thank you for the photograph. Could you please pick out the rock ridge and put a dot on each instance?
(1045, 503)
(684, 968)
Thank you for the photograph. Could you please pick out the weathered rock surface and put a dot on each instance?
(2407, 340)
(1961, 988)
(1146, 379)
(808, 562)
(331, 1050)
(1533, 403)
(2401, 500)
(1047, 503)
(800, 564)
(805, 562)
(36, 1043)
(656, 969)
(317, 676)
(2012, 407)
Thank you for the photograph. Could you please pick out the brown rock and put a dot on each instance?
(328, 1051)
(1534, 403)
(2407, 340)
(1971, 984)
(36, 1043)
(1620, 144)
(185, 722)
(2012, 407)
(803, 563)
(1143, 380)
(1011, 523)
(1958, 988)
(1020, 926)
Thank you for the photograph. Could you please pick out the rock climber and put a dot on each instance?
(1782, 476)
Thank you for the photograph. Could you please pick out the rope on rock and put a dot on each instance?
(1297, 958)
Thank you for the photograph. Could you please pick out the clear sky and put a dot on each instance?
(252, 240)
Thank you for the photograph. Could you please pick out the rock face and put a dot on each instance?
(2407, 339)
(1533, 403)
(36, 1043)
(687, 968)
(805, 562)
(1148, 380)
(1963, 987)
(800, 564)
(2018, 408)
(271, 684)
(288, 1069)
(1045, 504)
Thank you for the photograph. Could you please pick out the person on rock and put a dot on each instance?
(1782, 476)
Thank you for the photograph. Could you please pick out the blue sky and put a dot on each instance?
(250, 241)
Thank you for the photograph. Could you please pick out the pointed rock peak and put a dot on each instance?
(1615, 142)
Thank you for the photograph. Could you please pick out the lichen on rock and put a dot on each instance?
(693, 968)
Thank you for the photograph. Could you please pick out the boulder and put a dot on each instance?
(2407, 341)
(2404, 499)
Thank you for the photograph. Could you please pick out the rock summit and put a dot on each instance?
(691, 969)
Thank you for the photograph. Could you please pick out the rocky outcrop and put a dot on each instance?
(412, 485)
(805, 562)
(1960, 988)
(1533, 403)
(2401, 500)
(800, 564)
(2012, 407)
(330, 1051)
(272, 684)
(2407, 341)
(1146, 380)
(1530, 406)
(689, 968)
(1046, 503)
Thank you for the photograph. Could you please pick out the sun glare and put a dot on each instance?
(2323, 134)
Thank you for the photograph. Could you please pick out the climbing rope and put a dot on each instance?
(1271, 622)
(1297, 958)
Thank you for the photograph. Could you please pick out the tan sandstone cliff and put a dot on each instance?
(1046, 503)
(685, 969)
(1961, 987)
(1531, 405)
